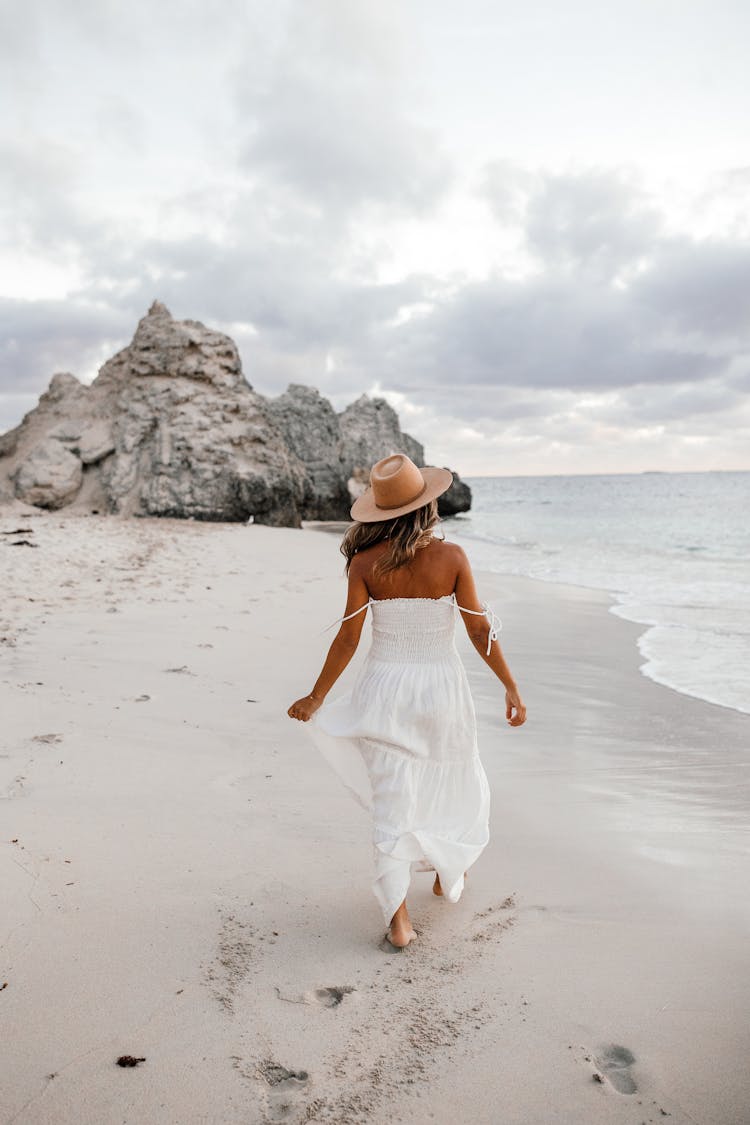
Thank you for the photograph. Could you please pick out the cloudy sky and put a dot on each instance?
(528, 226)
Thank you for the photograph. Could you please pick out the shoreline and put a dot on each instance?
(186, 880)
(619, 607)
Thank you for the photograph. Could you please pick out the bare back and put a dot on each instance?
(436, 571)
(432, 573)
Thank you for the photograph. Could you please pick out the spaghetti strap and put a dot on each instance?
(487, 611)
(340, 620)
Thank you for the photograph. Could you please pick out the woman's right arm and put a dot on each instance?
(477, 626)
(342, 649)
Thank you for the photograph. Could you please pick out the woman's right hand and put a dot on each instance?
(304, 709)
(515, 712)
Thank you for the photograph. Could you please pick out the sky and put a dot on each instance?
(526, 226)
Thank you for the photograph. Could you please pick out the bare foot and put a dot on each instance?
(399, 941)
(401, 931)
(437, 889)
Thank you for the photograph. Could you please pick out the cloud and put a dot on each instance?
(331, 121)
(486, 351)
(543, 332)
(700, 287)
(256, 181)
(39, 338)
(39, 210)
(322, 137)
(594, 221)
(614, 300)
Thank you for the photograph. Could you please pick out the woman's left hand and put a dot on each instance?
(303, 709)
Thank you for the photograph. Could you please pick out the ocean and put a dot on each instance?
(672, 548)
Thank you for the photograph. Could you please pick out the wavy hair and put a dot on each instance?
(404, 535)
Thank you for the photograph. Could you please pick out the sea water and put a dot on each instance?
(673, 549)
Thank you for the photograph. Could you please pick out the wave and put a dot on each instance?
(668, 561)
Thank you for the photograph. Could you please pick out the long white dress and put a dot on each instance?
(404, 742)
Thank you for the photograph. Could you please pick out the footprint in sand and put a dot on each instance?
(322, 997)
(495, 920)
(238, 949)
(284, 1088)
(615, 1062)
(507, 904)
(329, 997)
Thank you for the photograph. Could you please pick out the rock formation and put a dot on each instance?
(456, 499)
(171, 427)
(337, 450)
(50, 476)
(311, 429)
(370, 430)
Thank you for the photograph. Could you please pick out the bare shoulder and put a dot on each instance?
(358, 565)
(456, 554)
(363, 562)
(449, 561)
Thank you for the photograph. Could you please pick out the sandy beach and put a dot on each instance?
(186, 882)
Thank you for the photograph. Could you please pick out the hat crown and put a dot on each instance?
(396, 481)
(398, 487)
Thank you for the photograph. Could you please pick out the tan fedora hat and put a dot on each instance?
(397, 486)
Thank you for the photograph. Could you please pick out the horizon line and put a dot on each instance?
(622, 473)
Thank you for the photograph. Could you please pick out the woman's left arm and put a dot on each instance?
(341, 651)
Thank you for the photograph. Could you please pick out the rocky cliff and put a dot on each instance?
(310, 427)
(171, 427)
(337, 450)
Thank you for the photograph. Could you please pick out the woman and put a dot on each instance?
(404, 739)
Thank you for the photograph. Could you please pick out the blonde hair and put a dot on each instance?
(404, 535)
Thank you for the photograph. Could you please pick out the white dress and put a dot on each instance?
(404, 742)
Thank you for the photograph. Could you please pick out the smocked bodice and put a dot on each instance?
(417, 630)
(413, 629)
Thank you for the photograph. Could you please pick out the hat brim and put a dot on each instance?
(437, 481)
